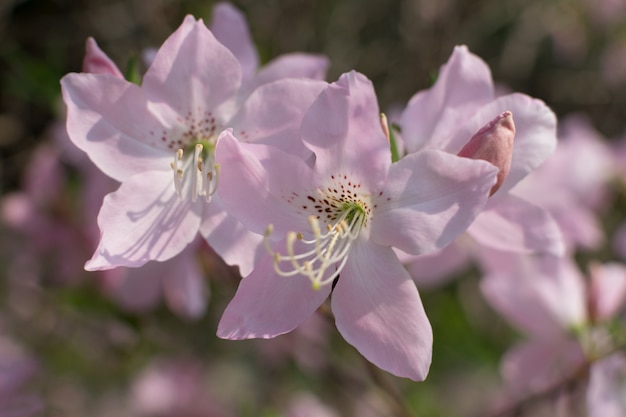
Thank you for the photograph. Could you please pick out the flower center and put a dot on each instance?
(199, 168)
(339, 220)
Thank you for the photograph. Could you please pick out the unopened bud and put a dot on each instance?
(493, 143)
(97, 62)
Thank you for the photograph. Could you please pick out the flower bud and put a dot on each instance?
(493, 143)
(97, 62)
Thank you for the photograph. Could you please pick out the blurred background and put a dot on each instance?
(68, 348)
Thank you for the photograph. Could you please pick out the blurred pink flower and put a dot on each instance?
(169, 388)
(460, 103)
(45, 220)
(133, 133)
(572, 185)
(444, 117)
(606, 395)
(307, 405)
(16, 369)
(566, 319)
(338, 217)
(230, 28)
(606, 12)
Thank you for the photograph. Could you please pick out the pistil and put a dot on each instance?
(204, 174)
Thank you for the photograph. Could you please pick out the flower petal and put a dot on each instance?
(430, 198)
(535, 133)
(511, 223)
(607, 290)
(378, 310)
(229, 238)
(230, 28)
(435, 268)
(108, 118)
(294, 65)
(184, 289)
(273, 113)
(192, 71)
(432, 115)
(136, 289)
(257, 182)
(535, 365)
(97, 62)
(344, 130)
(607, 385)
(144, 220)
(542, 295)
(267, 305)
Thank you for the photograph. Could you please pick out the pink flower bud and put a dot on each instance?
(97, 62)
(493, 143)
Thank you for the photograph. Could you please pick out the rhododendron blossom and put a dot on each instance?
(569, 324)
(159, 138)
(463, 102)
(330, 222)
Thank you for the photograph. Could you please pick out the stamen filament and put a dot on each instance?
(329, 248)
(204, 172)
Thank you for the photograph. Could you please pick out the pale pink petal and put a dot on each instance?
(378, 310)
(97, 62)
(511, 223)
(229, 26)
(535, 133)
(606, 394)
(136, 289)
(307, 405)
(192, 72)
(120, 141)
(542, 295)
(432, 115)
(537, 364)
(607, 290)
(579, 225)
(229, 238)
(343, 128)
(294, 65)
(144, 220)
(437, 268)
(44, 177)
(183, 285)
(258, 184)
(520, 306)
(430, 198)
(274, 112)
(267, 305)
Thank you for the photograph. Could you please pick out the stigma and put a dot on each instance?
(321, 257)
(196, 172)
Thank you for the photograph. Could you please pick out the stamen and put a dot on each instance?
(328, 249)
(204, 175)
(178, 171)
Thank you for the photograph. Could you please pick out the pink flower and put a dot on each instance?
(230, 28)
(176, 387)
(158, 139)
(446, 116)
(568, 322)
(458, 105)
(606, 394)
(16, 369)
(333, 219)
(572, 185)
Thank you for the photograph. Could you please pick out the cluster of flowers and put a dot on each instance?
(312, 194)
